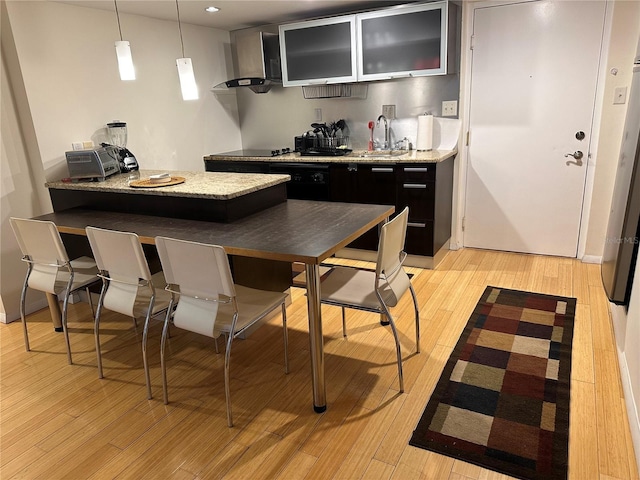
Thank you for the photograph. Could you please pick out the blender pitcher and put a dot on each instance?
(118, 135)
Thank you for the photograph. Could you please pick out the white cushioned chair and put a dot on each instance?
(50, 270)
(371, 291)
(127, 285)
(208, 302)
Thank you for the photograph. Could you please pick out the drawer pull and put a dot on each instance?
(416, 169)
(414, 185)
(415, 224)
(382, 169)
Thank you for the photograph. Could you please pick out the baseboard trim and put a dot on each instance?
(591, 259)
(630, 402)
(29, 308)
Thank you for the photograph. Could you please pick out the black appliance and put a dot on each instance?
(118, 132)
(309, 181)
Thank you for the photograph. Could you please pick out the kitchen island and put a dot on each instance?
(202, 196)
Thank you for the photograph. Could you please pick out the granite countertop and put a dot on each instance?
(413, 156)
(214, 185)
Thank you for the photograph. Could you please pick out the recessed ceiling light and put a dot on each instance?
(211, 9)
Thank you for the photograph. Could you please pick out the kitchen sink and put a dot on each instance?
(379, 153)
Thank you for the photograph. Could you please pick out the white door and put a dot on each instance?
(533, 84)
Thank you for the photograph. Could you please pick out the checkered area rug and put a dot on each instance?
(502, 401)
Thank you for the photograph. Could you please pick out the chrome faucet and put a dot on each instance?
(386, 131)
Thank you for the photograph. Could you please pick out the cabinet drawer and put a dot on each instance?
(420, 198)
(419, 238)
(417, 173)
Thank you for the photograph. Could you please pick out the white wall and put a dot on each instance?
(622, 48)
(626, 325)
(65, 87)
(68, 63)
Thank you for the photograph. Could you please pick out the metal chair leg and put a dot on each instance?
(417, 312)
(398, 349)
(163, 365)
(344, 323)
(145, 335)
(23, 317)
(227, 388)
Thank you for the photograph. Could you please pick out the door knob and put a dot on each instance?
(577, 155)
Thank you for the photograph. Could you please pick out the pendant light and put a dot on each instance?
(185, 70)
(123, 52)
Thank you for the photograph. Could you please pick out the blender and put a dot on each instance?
(118, 134)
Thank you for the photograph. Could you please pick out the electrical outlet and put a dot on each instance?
(318, 114)
(450, 108)
(76, 145)
(389, 111)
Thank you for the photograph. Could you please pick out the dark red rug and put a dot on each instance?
(502, 401)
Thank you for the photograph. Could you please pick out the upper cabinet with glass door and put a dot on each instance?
(319, 52)
(403, 41)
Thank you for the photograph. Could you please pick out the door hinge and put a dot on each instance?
(471, 43)
(468, 136)
(463, 222)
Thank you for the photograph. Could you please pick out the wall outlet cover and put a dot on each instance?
(450, 108)
(389, 111)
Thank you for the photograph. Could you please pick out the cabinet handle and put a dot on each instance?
(416, 169)
(414, 185)
(415, 224)
(382, 169)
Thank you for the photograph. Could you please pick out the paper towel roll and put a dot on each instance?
(424, 138)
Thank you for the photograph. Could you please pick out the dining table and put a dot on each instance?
(302, 231)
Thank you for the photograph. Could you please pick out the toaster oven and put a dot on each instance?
(93, 164)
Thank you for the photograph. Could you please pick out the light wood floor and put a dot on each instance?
(62, 422)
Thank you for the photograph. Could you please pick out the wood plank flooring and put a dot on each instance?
(62, 422)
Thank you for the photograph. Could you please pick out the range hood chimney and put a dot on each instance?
(258, 55)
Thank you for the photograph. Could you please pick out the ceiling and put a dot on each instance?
(235, 14)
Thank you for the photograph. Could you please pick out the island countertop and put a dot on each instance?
(412, 156)
(209, 185)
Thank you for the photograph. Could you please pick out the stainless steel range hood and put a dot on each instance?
(258, 56)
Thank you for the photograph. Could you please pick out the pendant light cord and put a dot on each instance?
(118, 17)
(179, 28)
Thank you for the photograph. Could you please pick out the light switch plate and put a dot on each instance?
(450, 108)
(318, 114)
(620, 95)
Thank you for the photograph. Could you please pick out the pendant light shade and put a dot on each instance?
(187, 79)
(185, 70)
(125, 60)
(123, 52)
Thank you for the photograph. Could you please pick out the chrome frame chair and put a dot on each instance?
(50, 270)
(127, 285)
(358, 289)
(205, 300)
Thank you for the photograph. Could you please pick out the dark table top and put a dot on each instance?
(293, 231)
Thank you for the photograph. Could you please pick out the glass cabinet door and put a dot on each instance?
(318, 51)
(402, 41)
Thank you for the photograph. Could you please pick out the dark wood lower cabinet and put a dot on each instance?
(426, 188)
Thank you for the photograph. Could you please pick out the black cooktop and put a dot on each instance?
(256, 152)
